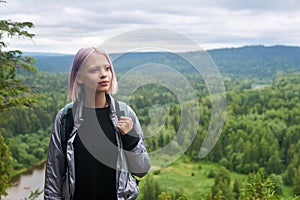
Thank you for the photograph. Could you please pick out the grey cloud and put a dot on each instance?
(205, 21)
(265, 5)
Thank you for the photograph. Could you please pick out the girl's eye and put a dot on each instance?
(107, 68)
(97, 69)
(93, 70)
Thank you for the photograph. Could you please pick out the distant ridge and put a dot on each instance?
(248, 60)
(257, 60)
(52, 62)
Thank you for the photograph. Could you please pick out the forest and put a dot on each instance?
(261, 132)
(260, 140)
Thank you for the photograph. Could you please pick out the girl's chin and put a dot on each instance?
(96, 91)
(102, 89)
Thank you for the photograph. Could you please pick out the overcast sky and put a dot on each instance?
(63, 26)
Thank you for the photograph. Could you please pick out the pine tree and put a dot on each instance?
(236, 189)
(296, 188)
(222, 185)
(150, 189)
(259, 187)
(13, 92)
(5, 166)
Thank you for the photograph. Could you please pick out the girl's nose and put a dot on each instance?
(102, 73)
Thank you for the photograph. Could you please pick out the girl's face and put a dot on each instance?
(95, 74)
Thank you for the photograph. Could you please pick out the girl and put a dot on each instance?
(103, 149)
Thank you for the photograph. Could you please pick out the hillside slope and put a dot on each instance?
(250, 61)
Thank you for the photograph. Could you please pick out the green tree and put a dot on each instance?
(236, 189)
(259, 186)
(296, 188)
(5, 166)
(222, 184)
(13, 92)
(278, 183)
(150, 189)
(274, 163)
(289, 175)
(292, 170)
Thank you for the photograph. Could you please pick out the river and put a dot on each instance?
(30, 181)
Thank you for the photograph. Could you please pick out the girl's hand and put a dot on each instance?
(125, 125)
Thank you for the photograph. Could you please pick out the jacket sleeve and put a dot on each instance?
(55, 165)
(137, 158)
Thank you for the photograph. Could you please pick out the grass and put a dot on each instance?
(188, 178)
(178, 177)
(191, 178)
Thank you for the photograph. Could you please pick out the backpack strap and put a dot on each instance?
(121, 109)
(67, 123)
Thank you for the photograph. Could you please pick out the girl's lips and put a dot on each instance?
(103, 83)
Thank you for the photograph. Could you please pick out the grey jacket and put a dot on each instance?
(60, 180)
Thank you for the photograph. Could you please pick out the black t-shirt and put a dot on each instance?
(93, 178)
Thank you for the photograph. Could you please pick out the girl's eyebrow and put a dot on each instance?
(105, 65)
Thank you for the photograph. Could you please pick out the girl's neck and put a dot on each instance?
(98, 102)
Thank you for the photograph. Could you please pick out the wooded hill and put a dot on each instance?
(251, 61)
